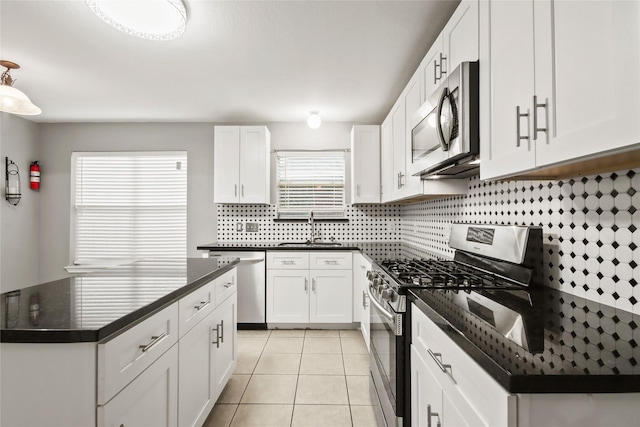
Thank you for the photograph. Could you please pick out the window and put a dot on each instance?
(128, 205)
(311, 181)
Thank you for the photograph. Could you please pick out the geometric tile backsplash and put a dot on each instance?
(366, 223)
(591, 228)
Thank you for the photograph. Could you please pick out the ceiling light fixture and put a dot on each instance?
(314, 121)
(147, 19)
(13, 100)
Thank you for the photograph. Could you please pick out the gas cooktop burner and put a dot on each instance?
(429, 273)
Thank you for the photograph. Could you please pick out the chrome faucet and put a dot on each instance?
(313, 227)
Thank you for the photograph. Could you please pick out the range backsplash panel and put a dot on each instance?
(591, 228)
(366, 223)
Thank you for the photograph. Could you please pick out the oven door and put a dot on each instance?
(387, 366)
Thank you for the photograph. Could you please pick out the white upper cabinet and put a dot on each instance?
(457, 43)
(242, 164)
(386, 162)
(559, 85)
(365, 164)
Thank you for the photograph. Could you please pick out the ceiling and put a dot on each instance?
(238, 61)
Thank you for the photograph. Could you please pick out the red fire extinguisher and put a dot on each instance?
(34, 181)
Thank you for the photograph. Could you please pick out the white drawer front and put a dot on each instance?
(196, 306)
(225, 286)
(456, 371)
(331, 260)
(295, 260)
(124, 357)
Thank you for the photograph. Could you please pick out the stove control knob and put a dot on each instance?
(386, 294)
(377, 283)
(371, 275)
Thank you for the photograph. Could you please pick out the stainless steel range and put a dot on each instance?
(487, 257)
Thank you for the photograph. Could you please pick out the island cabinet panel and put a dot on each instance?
(150, 400)
(52, 385)
(124, 357)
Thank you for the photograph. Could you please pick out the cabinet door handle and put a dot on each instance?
(536, 129)
(364, 299)
(202, 305)
(401, 180)
(430, 414)
(313, 284)
(435, 71)
(235, 190)
(154, 340)
(242, 190)
(222, 330)
(518, 117)
(447, 369)
(358, 190)
(306, 284)
(217, 341)
(442, 69)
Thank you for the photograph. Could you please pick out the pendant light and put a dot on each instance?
(146, 19)
(13, 100)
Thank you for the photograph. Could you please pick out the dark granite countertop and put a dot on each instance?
(90, 307)
(569, 344)
(375, 251)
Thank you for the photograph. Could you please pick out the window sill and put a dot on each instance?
(314, 220)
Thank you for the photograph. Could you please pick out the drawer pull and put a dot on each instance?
(154, 340)
(447, 369)
(331, 261)
(202, 305)
(228, 285)
(288, 262)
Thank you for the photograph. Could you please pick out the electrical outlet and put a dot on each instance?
(239, 226)
(252, 227)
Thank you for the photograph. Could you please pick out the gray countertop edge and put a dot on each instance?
(118, 326)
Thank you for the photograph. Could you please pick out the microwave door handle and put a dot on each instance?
(443, 144)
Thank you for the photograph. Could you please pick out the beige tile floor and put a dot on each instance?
(297, 378)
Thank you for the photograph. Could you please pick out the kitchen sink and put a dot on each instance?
(310, 244)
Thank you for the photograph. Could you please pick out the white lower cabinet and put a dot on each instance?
(433, 404)
(449, 389)
(330, 297)
(225, 342)
(197, 394)
(150, 400)
(297, 294)
(287, 296)
(361, 309)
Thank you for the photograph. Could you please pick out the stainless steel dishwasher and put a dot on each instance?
(251, 288)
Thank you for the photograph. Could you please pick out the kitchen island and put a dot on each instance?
(113, 347)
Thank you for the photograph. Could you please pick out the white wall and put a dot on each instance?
(19, 240)
(59, 140)
(35, 248)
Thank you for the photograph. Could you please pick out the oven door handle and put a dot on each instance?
(380, 308)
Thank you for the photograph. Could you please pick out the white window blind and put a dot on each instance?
(311, 181)
(128, 205)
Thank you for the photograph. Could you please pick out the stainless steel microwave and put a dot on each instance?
(445, 129)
